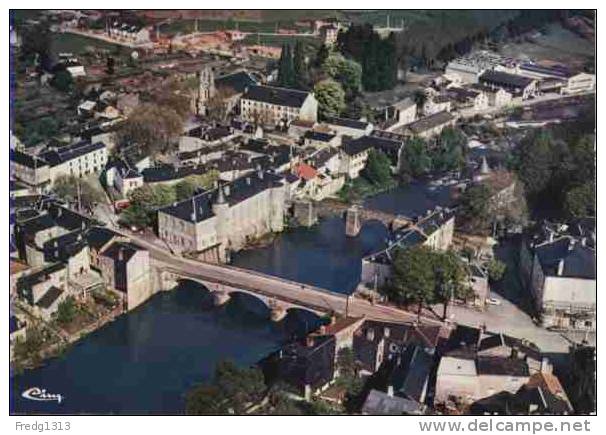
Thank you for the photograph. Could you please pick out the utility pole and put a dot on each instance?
(79, 195)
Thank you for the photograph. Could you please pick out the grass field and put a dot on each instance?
(70, 43)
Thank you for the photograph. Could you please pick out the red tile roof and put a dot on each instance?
(305, 171)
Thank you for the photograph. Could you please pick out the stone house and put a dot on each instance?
(125, 269)
(268, 105)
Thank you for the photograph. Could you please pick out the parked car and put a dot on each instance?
(493, 301)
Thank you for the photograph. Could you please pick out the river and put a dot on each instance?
(146, 360)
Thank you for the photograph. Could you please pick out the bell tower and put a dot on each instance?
(206, 89)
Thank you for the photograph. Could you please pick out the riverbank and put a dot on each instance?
(46, 340)
(360, 188)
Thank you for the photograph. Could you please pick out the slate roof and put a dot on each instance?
(276, 96)
(499, 366)
(40, 275)
(64, 247)
(27, 160)
(300, 365)
(162, 173)
(57, 157)
(346, 122)
(579, 261)
(411, 376)
(237, 81)
(126, 249)
(380, 403)
(429, 122)
(97, 237)
(318, 136)
(501, 78)
(49, 297)
(239, 190)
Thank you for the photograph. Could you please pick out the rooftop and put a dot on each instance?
(429, 122)
(276, 96)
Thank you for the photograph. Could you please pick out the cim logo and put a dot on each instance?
(40, 395)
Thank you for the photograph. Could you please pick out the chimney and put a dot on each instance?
(546, 366)
(226, 189)
(560, 267)
(323, 330)
(333, 319)
(386, 332)
(309, 341)
(248, 180)
(370, 334)
(120, 254)
(584, 241)
(390, 390)
(571, 244)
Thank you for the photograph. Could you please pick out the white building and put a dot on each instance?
(269, 105)
(220, 221)
(561, 275)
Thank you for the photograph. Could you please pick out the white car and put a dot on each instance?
(493, 301)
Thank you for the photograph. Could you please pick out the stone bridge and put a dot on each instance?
(356, 214)
(223, 290)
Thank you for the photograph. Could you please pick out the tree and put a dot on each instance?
(62, 80)
(67, 311)
(152, 127)
(416, 160)
(474, 208)
(413, 277)
(218, 105)
(77, 190)
(301, 74)
(449, 151)
(321, 55)
(144, 203)
(451, 277)
(496, 270)
(111, 63)
(232, 391)
(187, 187)
(330, 96)
(581, 384)
(347, 72)
(206, 400)
(580, 201)
(378, 168)
(286, 68)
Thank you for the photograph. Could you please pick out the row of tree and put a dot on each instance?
(423, 277)
(446, 152)
(378, 57)
(557, 167)
(147, 199)
(293, 71)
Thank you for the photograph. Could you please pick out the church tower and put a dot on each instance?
(206, 89)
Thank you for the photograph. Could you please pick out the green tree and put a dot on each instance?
(378, 168)
(451, 277)
(187, 187)
(496, 269)
(474, 208)
(413, 277)
(74, 189)
(449, 151)
(580, 201)
(347, 72)
(286, 68)
(144, 203)
(330, 96)
(152, 127)
(301, 74)
(62, 81)
(232, 391)
(416, 160)
(206, 400)
(67, 311)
